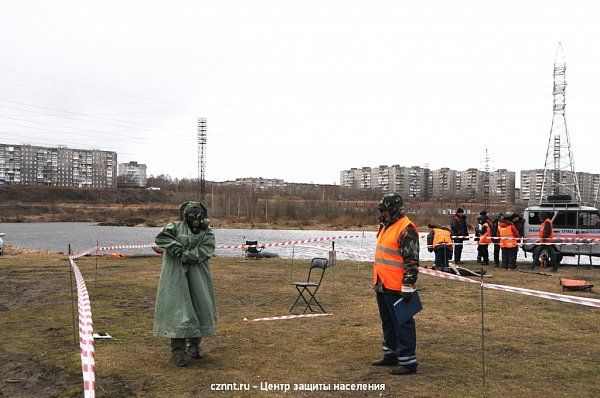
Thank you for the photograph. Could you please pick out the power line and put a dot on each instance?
(83, 144)
(78, 113)
(78, 132)
(85, 86)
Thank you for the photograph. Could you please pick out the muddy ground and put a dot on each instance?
(533, 347)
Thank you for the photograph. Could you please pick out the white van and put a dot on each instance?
(571, 223)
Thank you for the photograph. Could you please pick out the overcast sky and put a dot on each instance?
(300, 90)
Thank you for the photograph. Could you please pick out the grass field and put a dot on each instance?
(533, 347)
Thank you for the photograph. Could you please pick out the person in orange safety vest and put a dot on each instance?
(395, 272)
(483, 234)
(546, 236)
(509, 243)
(439, 242)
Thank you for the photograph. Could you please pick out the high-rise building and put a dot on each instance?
(424, 184)
(380, 178)
(349, 178)
(588, 187)
(36, 165)
(444, 184)
(365, 180)
(502, 186)
(470, 184)
(131, 174)
(531, 185)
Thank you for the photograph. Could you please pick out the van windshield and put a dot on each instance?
(537, 217)
(565, 219)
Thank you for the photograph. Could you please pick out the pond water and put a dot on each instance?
(56, 237)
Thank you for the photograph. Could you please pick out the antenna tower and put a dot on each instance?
(201, 157)
(486, 180)
(559, 167)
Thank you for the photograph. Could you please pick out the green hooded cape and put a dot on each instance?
(185, 301)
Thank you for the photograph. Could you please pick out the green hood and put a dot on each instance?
(187, 206)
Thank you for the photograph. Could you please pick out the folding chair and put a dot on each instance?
(310, 287)
(253, 250)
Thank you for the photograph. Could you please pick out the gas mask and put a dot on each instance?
(196, 220)
(383, 216)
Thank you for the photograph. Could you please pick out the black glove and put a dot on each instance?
(406, 297)
(410, 275)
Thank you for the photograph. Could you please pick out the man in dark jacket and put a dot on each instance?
(458, 228)
(495, 223)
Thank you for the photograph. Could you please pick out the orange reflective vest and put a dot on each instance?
(485, 238)
(542, 227)
(389, 264)
(507, 233)
(441, 236)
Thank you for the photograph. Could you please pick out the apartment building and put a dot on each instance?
(502, 186)
(132, 174)
(443, 184)
(36, 165)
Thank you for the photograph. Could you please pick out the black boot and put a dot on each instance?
(180, 360)
(387, 360)
(403, 370)
(178, 353)
(194, 351)
(193, 347)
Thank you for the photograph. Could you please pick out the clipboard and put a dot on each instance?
(405, 311)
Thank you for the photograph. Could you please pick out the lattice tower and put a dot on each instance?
(560, 177)
(201, 157)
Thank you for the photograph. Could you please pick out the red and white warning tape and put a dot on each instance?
(291, 242)
(86, 334)
(241, 246)
(136, 246)
(590, 302)
(277, 318)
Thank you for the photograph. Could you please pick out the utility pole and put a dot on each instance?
(486, 181)
(201, 157)
(559, 167)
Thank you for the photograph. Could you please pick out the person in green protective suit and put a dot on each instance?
(185, 303)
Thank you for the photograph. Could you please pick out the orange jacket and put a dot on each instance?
(389, 264)
(546, 224)
(485, 239)
(441, 236)
(510, 234)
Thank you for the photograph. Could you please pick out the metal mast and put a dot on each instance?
(559, 168)
(486, 180)
(201, 157)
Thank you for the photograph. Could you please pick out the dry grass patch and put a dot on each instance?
(534, 347)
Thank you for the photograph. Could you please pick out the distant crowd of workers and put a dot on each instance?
(505, 232)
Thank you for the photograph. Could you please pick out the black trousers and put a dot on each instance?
(398, 339)
(442, 255)
(458, 250)
(497, 254)
(509, 257)
(484, 254)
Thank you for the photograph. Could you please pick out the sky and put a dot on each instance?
(300, 90)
